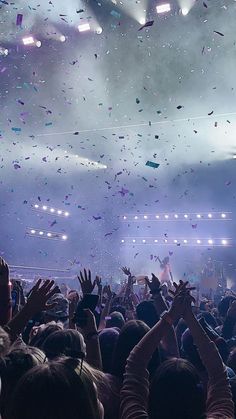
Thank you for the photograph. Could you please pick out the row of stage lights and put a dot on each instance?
(84, 27)
(179, 217)
(178, 242)
(45, 234)
(50, 210)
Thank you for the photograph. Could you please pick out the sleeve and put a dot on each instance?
(135, 390)
(219, 396)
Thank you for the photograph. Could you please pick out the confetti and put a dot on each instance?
(147, 24)
(19, 19)
(152, 164)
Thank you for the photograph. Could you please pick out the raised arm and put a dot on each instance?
(5, 293)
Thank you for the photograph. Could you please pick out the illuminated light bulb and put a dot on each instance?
(223, 215)
(163, 8)
(41, 233)
(166, 216)
(157, 216)
(45, 207)
(49, 234)
(185, 241)
(198, 216)
(59, 212)
(32, 231)
(145, 217)
(36, 206)
(52, 210)
(175, 241)
(64, 237)
(142, 21)
(185, 215)
(156, 241)
(99, 30)
(38, 44)
(84, 27)
(224, 242)
(198, 241)
(209, 215)
(136, 217)
(176, 216)
(67, 214)
(134, 241)
(62, 38)
(124, 217)
(144, 241)
(184, 11)
(122, 241)
(210, 241)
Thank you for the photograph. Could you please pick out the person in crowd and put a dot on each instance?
(109, 366)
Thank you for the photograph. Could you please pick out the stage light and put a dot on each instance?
(184, 11)
(29, 40)
(62, 38)
(185, 241)
(210, 241)
(122, 241)
(224, 242)
(198, 241)
(155, 241)
(49, 234)
(166, 216)
(134, 241)
(209, 215)
(234, 156)
(176, 216)
(41, 233)
(185, 215)
(59, 212)
(67, 214)
(64, 237)
(32, 231)
(84, 27)
(144, 241)
(52, 210)
(36, 206)
(198, 216)
(157, 216)
(223, 215)
(175, 241)
(166, 241)
(99, 30)
(145, 217)
(45, 207)
(163, 8)
(124, 217)
(4, 51)
(136, 217)
(38, 44)
(142, 21)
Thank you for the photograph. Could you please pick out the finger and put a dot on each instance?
(147, 280)
(171, 292)
(89, 275)
(175, 285)
(85, 275)
(81, 279)
(50, 306)
(51, 293)
(37, 285)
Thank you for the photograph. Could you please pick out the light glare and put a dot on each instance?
(28, 40)
(84, 27)
(184, 11)
(163, 8)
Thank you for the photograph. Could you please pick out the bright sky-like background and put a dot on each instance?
(120, 92)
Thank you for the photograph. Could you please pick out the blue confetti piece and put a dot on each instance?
(16, 129)
(152, 164)
(48, 124)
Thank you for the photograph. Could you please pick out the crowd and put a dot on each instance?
(93, 353)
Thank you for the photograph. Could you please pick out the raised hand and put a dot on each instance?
(181, 306)
(98, 282)
(39, 295)
(154, 285)
(4, 272)
(87, 286)
(126, 271)
(107, 290)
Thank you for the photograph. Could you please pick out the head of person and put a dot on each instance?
(130, 334)
(4, 342)
(65, 342)
(224, 305)
(107, 339)
(56, 390)
(60, 311)
(232, 360)
(40, 333)
(116, 319)
(146, 312)
(13, 366)
(176, 391)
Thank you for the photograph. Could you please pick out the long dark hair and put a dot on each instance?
(57, 390)
(176, 392)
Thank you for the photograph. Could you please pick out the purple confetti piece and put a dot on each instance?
(19, 19)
